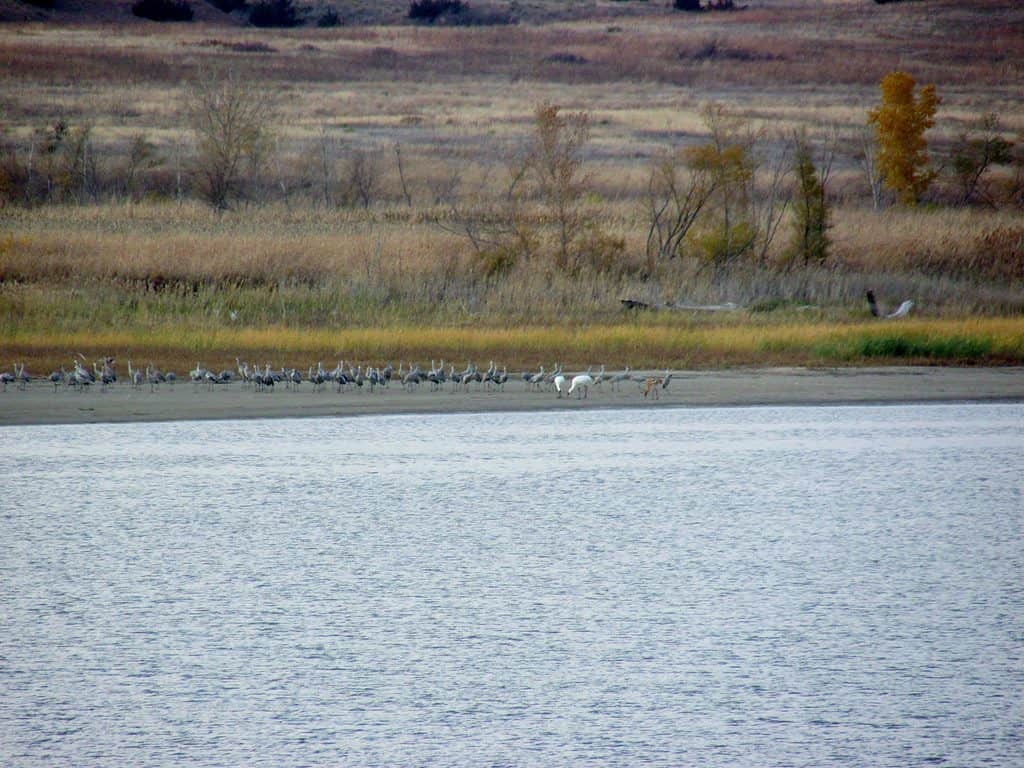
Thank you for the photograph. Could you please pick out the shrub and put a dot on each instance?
(163, 10)
(229, 6)
(45, 4)
(811, 209)
(691, 6)
(431, 10)
(473, 17)
(274, 13)
(497, 261)
(329, 18)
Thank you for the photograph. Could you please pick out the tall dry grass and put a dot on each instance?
(174, 275)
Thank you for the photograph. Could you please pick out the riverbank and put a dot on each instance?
(39, 404)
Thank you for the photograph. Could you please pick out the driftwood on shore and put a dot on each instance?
(901, 311)
(635, 304)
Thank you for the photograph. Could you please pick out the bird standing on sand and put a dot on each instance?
(581, 385)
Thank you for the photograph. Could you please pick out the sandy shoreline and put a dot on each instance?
(39, 404)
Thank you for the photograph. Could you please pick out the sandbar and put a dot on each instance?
(38, 403)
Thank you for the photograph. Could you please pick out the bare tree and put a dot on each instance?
(674, 200)
(320, 161)
(363, 172)
(542, 208)
(550, 169)
(868, 158)
(768, 207)
(401, 175)
(141, 156)
(974, 154)
(231, 120)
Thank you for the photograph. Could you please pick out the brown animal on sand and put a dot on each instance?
(652, 387)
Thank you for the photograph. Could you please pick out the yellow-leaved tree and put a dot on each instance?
(900, 122)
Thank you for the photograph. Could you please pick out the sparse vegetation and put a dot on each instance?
(360, 201)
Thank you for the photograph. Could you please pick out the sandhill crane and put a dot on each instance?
(106, 376)
(502, 378)
(210, 379)
(537, 379)
(600, 378)
(317, 377)
(581, 385)
(170, 377)
(23, 378)
(616, 379)
(197, 374)
(436, 379)
(550, 380)
(134, 376)
(8, 378)
(82, 376)
(373, 378)
(153, 377)
(267, 379)
(413, 378)
(57, 377)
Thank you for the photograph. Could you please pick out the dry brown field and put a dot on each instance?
(456, 100)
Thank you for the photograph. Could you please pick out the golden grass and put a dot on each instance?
(274, 243)
(993, 340)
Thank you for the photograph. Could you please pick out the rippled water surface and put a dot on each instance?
(763, 586)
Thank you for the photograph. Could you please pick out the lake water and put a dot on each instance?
(748, 586)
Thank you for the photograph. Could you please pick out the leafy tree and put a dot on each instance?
(727, 161)
(900, 122)
(811, 213)
(975, 153)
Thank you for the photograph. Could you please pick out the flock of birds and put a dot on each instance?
(103, 373)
